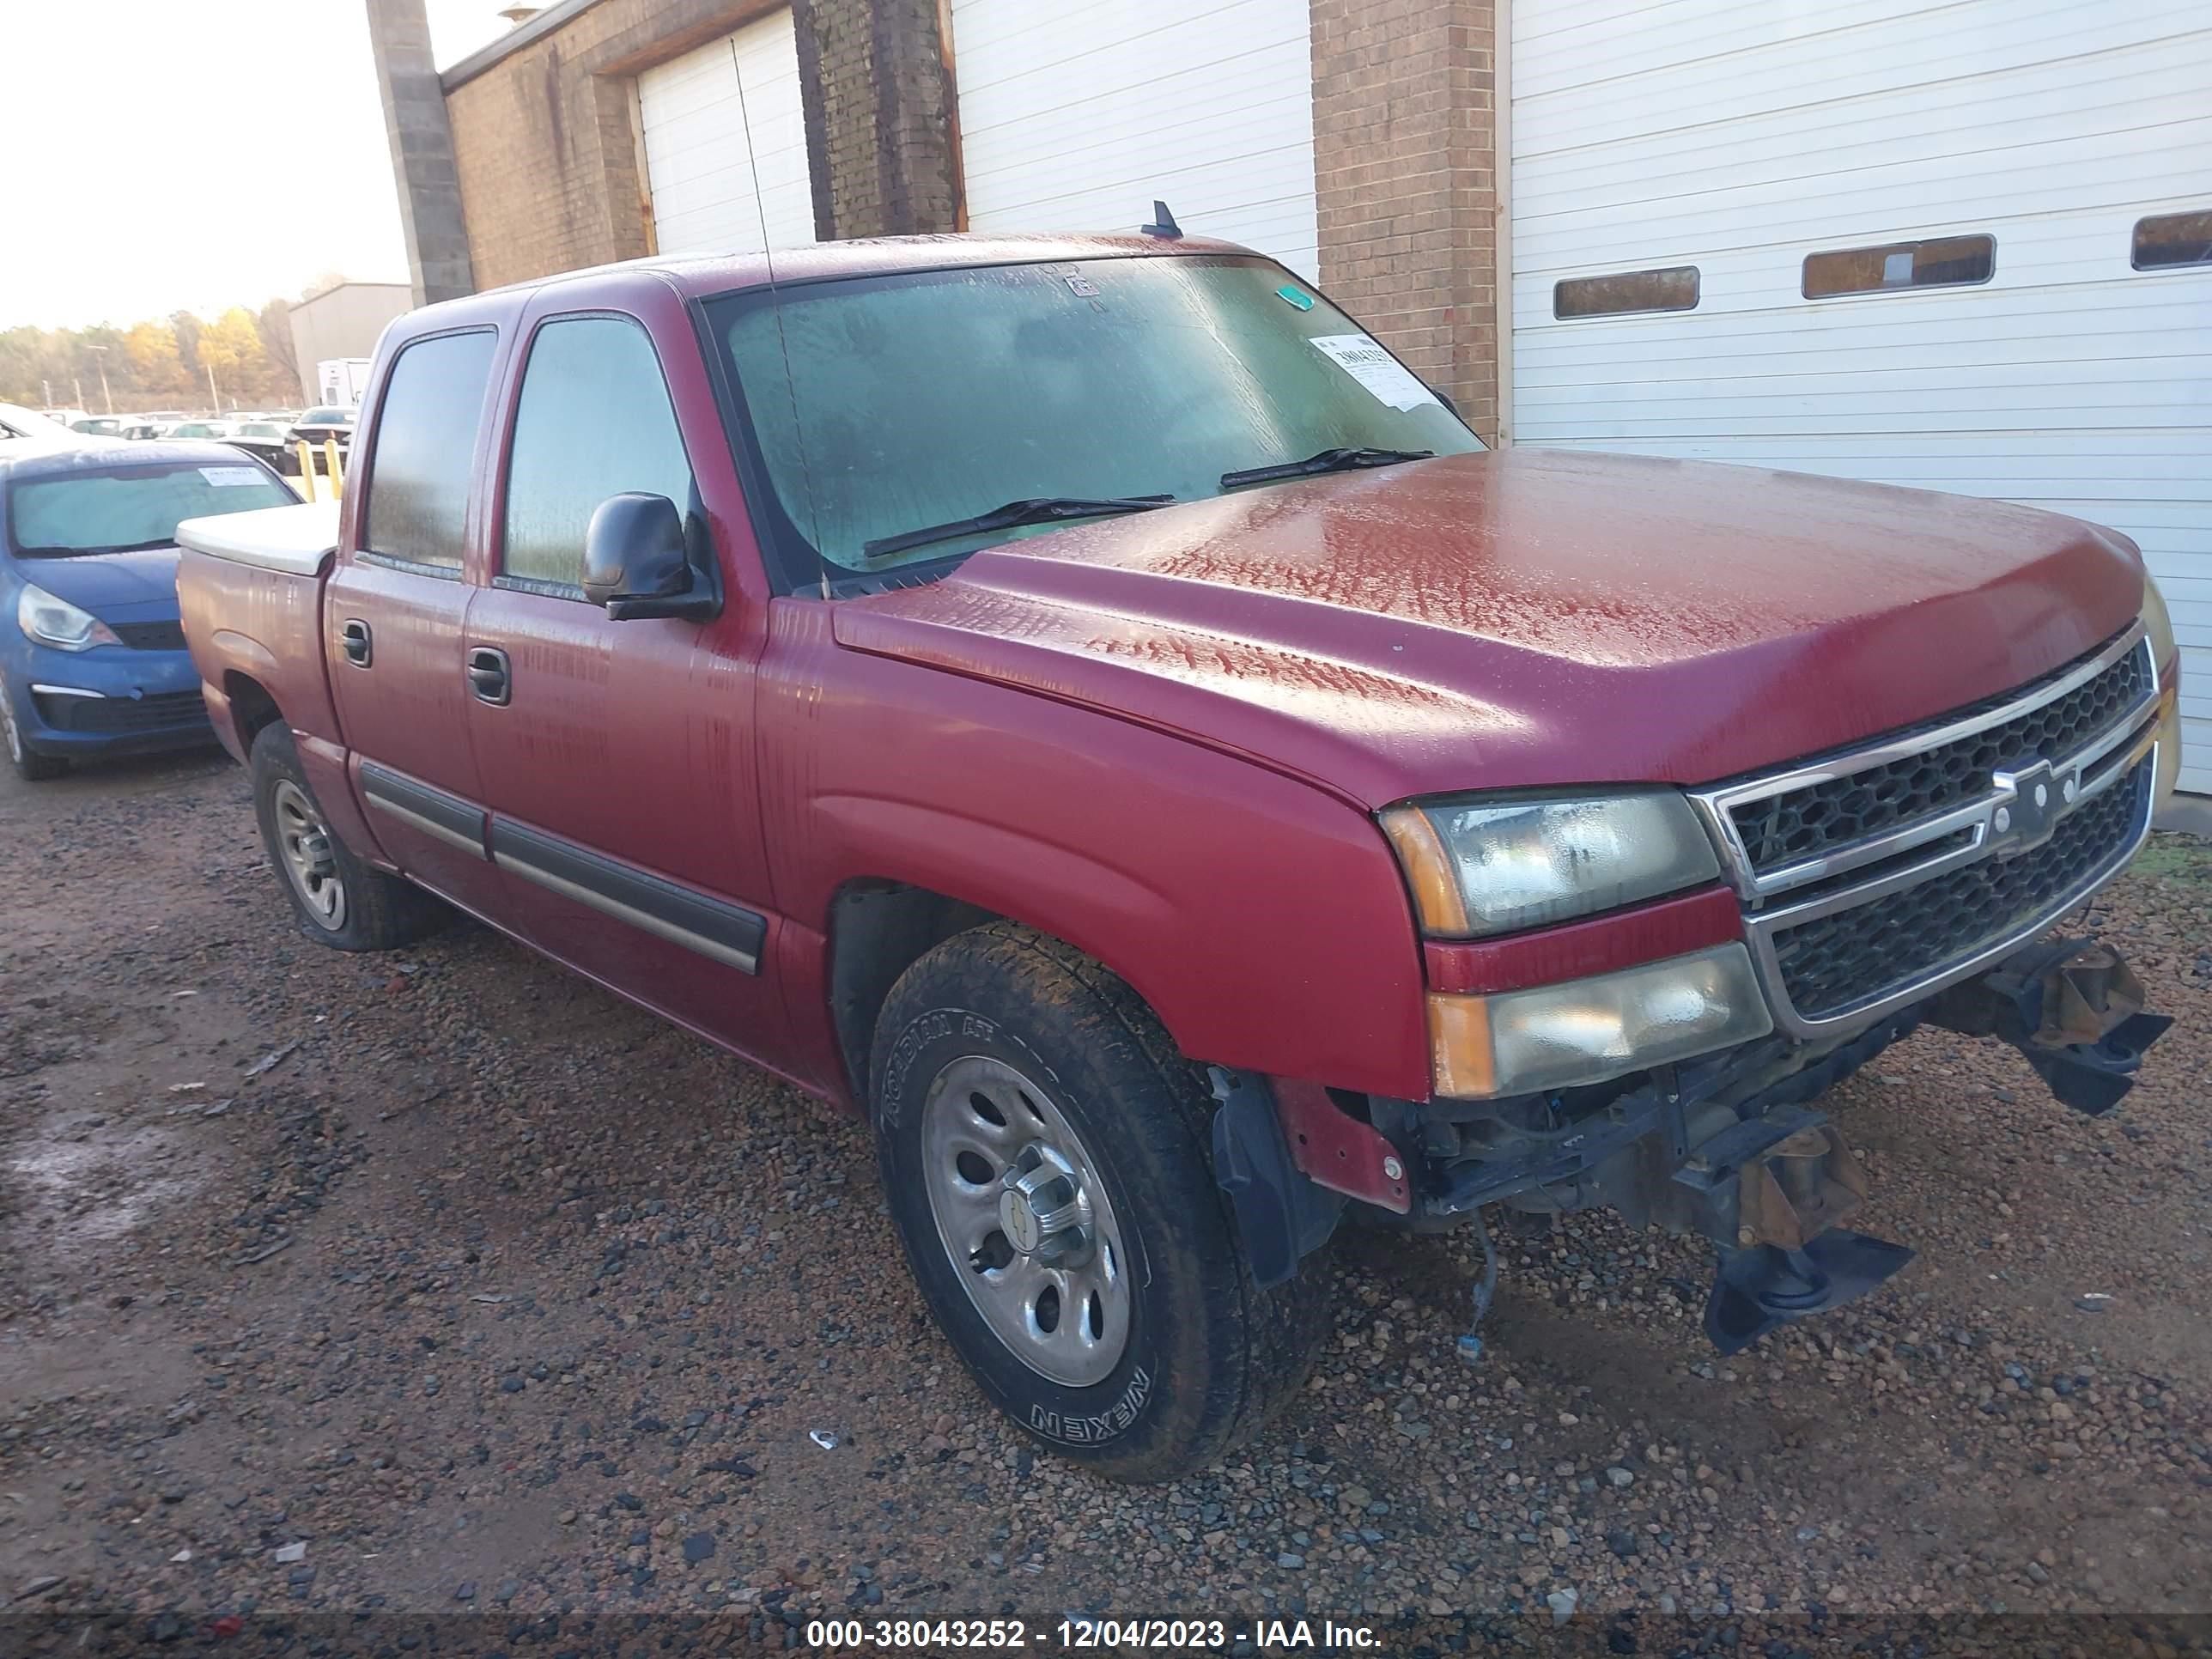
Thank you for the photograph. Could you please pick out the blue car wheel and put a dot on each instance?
(30, 766)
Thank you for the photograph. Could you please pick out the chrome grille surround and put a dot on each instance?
(2002, 820)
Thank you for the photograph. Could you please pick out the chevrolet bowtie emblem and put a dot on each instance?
(2032, 797)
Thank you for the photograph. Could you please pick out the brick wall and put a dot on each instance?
(1405, 162)
(546, 145)
(880, 117)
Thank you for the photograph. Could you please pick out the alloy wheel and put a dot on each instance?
(1026, 1221)
(310, 858)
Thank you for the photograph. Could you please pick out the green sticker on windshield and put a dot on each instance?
(1303, 301)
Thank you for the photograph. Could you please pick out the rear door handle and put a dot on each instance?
(489, 677)
(360, 647)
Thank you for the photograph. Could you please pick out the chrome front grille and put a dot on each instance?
(1834, 962)
(1875, 876)
(1779, 830)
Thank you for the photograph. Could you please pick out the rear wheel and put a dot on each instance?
(1045, 1160)
(338, 900)
(30, 766)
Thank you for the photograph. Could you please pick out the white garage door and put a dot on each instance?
(720, 163)
(1076, 114)
(1738, 139)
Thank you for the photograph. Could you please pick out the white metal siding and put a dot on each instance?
(1076, 114)
(1739, 138)
(726, 144)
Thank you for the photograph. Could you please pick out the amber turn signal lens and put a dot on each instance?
(1436, 897)
(2168, 776)
(1460, 1052)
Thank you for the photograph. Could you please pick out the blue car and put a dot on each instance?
(92, 654)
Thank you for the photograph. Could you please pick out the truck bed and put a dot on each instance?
(294, 540)
(250, 590)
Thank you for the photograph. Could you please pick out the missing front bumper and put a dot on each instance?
(1731, 1149)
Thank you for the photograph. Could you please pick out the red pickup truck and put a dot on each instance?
(1084, 704)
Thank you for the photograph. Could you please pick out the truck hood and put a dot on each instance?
(138, 587)
(1526, 618)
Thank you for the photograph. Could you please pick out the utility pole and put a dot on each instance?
(216, 397)
(106, 396)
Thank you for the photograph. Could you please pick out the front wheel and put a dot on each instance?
(30, 766)
(1045, 1156)
(338, 900)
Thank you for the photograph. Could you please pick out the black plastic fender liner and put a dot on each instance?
(2093, 1076)
(1755, 1290)
(1282, 1216)
(2014, 1002)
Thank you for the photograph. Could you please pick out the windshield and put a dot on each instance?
(260, 429)
(327, 417)
(920, 399)
(122, 509)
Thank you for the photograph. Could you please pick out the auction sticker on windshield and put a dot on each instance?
(1386, 379)
(229, 477)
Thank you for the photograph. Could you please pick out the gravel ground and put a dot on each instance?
(449, 1285)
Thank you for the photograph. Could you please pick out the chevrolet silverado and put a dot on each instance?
(1085, 704)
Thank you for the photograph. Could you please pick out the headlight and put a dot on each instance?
(1487, 865)
(57, 622)
(1586, 1030)
(2157, 624)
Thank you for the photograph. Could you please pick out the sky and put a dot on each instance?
(194, 155)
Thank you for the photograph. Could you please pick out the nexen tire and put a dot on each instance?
(1206, 1355)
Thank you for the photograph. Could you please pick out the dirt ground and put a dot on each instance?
(509, 1302)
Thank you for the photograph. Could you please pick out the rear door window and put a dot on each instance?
(426, 443)
(594, 420)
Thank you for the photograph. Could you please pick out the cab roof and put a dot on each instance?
(702, 275)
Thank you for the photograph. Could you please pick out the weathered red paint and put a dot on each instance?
(1598, 945)
(1335, 1149)
(1529, 618)
(1160, 737)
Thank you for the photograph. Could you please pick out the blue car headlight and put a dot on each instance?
(56, 622)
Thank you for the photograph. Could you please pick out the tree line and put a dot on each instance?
(159, 362)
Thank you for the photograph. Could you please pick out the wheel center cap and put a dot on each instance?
(315, 855)
(1019, 1222)
(1042, 1209)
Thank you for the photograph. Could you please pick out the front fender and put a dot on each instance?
(1262, 918)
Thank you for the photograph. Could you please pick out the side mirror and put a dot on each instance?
(637, 562)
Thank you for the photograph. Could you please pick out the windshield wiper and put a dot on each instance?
(1328, 461)
(1040, 509)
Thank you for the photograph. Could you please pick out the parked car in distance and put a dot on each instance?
(266, 441)
(138, 428)
(27, 427)
(91, 657)
(1086, 704)
(201, 431)
(318, 425)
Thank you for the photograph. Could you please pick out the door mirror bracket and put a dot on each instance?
(640, 562)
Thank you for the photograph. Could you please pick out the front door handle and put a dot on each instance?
(489, 677)
(356, 638)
